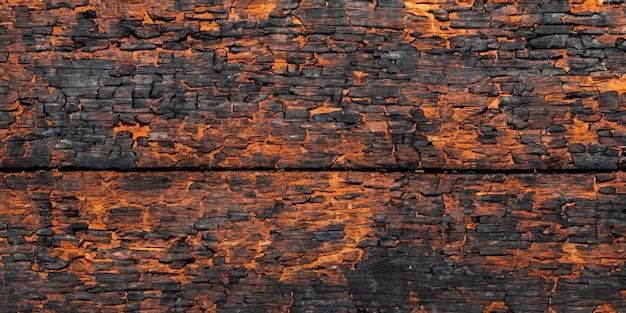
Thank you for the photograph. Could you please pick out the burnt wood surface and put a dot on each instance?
(312, 84)
(313, 242)
(312, 156)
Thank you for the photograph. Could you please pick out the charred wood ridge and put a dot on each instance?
(328, 170)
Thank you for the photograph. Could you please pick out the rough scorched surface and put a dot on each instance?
(312, 242)
(313, 84)
(138, 142)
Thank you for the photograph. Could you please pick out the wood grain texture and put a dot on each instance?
(312, 84)
(250, 241)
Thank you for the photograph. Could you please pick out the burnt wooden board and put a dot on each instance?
(312, 84)
(249, 241)
(312, 156)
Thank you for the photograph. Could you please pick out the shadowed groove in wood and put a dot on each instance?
(459, 171)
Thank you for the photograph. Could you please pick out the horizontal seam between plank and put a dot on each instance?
(304, 169)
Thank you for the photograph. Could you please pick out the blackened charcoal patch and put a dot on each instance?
(122, 160)
(146, 182)
(237, 216)
(557, 41)
(53, 4)
(556, 128)
(610, 100)
(88, 15)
